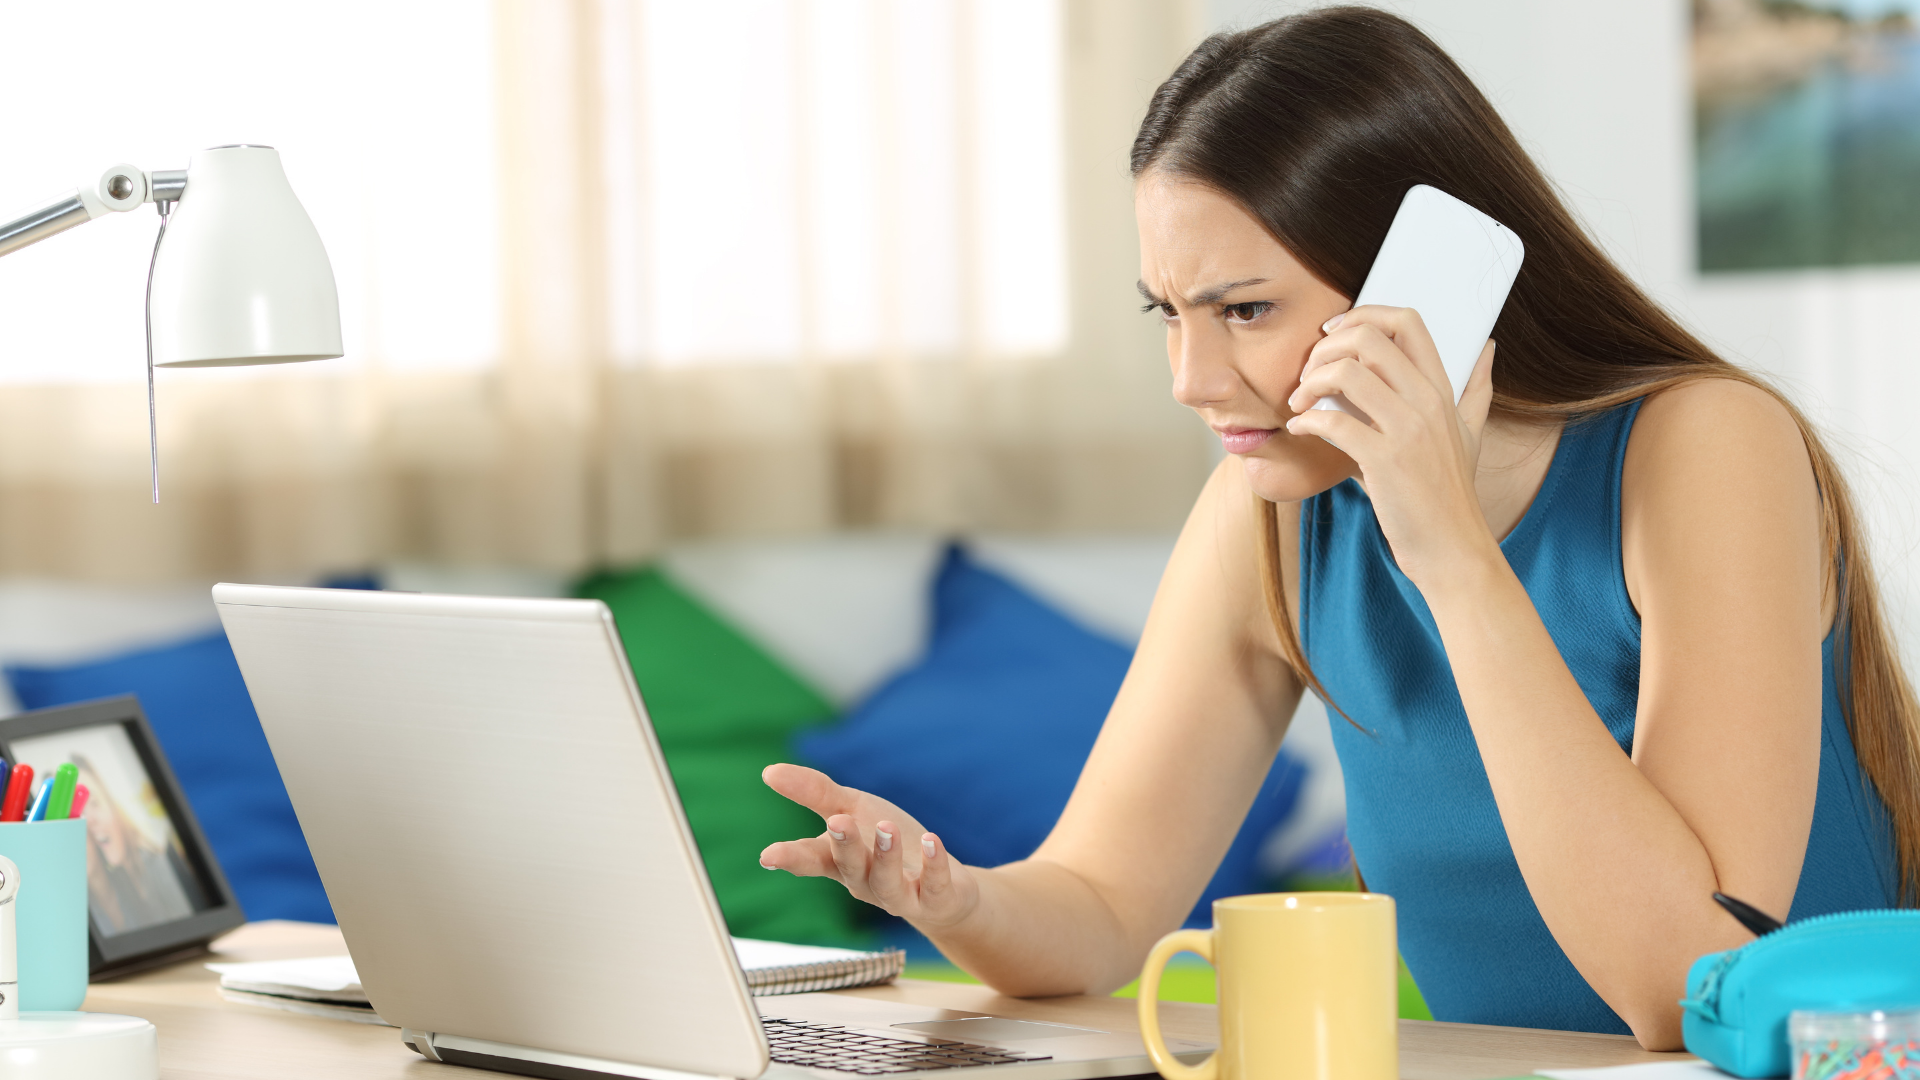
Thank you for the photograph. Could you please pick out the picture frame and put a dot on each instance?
(154, 889)
(1806, 141)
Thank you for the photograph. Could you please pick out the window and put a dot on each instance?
(837, 179)
(840, 179)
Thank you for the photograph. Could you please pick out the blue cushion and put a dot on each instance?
(194, 697)
(983, 739)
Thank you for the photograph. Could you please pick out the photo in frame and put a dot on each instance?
(1806, 133)
(154, 889)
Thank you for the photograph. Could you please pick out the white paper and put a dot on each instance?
(1653, 1070)
(334, 974)
(774, 954)
(327, 974)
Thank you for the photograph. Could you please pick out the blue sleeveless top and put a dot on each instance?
(1420, 813)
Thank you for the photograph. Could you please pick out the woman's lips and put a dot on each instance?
(1244, 440)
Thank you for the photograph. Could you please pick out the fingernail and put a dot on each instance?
(1333, 324)
(768, 866)
(927, 846)
(1289, 425)
(886, 840)
(836, 835)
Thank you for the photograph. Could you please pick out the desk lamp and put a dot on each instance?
(62, 1045)
(238, 274)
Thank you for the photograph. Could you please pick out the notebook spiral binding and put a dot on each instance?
(869, 970)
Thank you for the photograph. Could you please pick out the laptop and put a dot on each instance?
(513, 872)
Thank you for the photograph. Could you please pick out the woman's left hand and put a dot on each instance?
(1416, 450)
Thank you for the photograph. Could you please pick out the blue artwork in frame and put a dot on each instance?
(1806, 133)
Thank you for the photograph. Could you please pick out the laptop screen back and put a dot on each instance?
(493, 822)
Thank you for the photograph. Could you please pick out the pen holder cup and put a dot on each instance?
(51, 920)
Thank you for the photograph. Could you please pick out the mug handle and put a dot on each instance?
(1193, 941)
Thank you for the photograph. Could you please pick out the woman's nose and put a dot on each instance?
(1201, 374)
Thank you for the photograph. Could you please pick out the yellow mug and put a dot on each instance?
(1309, 987)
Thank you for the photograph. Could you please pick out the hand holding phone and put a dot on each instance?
(1452, 264)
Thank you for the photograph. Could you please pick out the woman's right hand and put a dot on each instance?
(880, 853)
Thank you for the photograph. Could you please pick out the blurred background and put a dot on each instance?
(803, 333)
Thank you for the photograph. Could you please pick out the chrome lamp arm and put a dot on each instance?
(245, 280)
(120, 189)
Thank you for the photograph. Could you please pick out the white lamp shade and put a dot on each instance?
(241, 276)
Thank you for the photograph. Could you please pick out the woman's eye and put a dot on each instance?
(1165, 311)
(1248, 312)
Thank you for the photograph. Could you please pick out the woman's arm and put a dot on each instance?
(1722, 556)
(1623, 855)
(1191, 736)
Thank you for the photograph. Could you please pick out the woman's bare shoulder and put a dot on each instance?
(1216, 566)
(1717, 481)
(1717, 423)
(1227, 518)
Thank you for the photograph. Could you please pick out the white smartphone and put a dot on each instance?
(1453, 265)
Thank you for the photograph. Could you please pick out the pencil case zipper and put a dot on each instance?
(1706, 1001)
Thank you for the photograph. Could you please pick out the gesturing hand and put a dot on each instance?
(1417, 457)
(877, 851)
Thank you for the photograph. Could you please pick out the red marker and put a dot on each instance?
(19, 788)
(79, 801)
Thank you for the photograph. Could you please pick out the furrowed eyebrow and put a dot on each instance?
(1204, 297)
(1219, 292)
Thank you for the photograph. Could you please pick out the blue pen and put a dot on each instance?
(40, 800)
(5, 776)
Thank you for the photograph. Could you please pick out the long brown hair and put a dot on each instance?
(1318, 123)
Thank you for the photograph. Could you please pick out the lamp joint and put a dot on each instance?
(166, 185)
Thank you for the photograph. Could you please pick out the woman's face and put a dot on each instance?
(1241, 315)
(109, 833)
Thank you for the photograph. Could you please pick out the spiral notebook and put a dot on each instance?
(329, 985)
(776, 968)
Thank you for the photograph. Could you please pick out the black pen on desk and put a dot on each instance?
(1750, 917)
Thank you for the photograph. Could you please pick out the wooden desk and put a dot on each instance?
(202, 1036)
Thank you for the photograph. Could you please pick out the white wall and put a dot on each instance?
(1599, 92)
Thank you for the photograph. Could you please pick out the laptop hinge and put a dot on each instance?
(526, 1060)
(421, 1042)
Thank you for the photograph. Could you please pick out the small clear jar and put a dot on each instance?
(1855, 1045)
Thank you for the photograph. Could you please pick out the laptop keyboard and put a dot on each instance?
(831, 1046)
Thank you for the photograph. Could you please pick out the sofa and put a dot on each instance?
(963, 678)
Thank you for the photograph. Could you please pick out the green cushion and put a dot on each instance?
(724, 710)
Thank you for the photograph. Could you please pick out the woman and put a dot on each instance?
(132, 882)
(1605, 632)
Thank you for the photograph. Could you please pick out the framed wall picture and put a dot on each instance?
(1806, 133)
(154, 888)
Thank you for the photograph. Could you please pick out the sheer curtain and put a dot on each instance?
(760, 268)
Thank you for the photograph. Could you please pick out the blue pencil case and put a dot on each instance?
(1737, 1001)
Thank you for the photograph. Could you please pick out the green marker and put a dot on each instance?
(64, 779)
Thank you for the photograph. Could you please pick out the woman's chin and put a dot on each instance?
(1299, 472)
